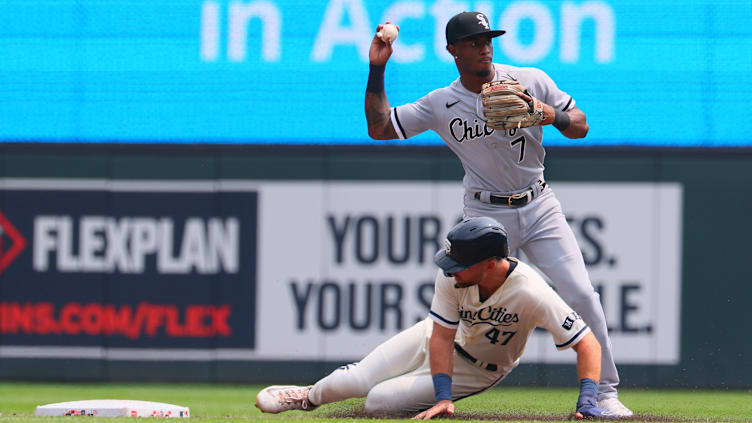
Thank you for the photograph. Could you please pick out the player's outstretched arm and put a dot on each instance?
(377, 106)
(572, 124)
(588, 371)
(588, 357)
(507, 104)
(441, 358)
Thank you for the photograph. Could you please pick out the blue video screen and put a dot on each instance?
(646, 73)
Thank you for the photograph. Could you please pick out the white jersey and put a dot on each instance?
(494, 160)
(496, 330)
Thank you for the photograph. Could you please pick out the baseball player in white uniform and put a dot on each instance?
(484, 308)
(503, 168)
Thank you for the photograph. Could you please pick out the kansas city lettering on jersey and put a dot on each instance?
(491, 315)
(461, 130)
(108, 244)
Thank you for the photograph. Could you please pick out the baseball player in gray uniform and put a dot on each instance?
(484, 308)
(503, 168)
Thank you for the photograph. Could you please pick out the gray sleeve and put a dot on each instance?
(413, 118)
(545, 89)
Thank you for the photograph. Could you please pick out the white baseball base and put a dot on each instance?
(113, 408)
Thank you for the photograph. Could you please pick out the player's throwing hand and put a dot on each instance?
(442, 407)
(380, 50)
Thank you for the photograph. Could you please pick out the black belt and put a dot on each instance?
(515, 200)
(482, 364)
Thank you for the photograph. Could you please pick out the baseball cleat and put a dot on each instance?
(614, 407)
(276, 399)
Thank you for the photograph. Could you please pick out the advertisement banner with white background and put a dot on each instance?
(343, 266)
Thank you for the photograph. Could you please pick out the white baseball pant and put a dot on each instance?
(396, 376)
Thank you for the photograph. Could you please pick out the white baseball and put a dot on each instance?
(388, 33)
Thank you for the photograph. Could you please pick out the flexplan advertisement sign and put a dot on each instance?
(137, 268)
(126, 265)
(347, 265)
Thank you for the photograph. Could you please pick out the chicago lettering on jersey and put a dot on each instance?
(491, 315)
(461, 130)
(107, 244)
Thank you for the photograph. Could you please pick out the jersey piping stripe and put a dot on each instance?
(564, 109)
(396, 119)
(573, 338)
(449, 322)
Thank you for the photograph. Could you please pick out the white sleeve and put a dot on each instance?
(564, 324)
(445, 307)
(545, 89)
(413, 118)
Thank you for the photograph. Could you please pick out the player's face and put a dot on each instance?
(470, 276)
(475, 55)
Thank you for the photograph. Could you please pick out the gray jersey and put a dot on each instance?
(494, 160)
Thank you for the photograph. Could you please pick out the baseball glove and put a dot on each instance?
(505, 110)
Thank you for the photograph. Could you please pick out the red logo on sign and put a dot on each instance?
(18, 242)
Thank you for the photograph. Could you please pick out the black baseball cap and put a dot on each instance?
(468, 24)
(470, 242)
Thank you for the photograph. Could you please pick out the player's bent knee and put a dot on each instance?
(380, 402)
(400, 396)
(376, 406)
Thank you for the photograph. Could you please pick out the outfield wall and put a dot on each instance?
(278, 264)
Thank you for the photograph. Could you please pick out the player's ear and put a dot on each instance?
(490, 263)
(452, 50)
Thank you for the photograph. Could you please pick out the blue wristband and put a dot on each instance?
(588, 393)
(442, 386)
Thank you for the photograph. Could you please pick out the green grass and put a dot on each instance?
(235, 403)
